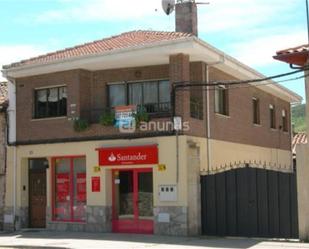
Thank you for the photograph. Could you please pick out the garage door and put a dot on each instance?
(250, 202)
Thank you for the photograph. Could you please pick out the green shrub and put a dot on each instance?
(141, 116)
(81, 125)
(107, 118)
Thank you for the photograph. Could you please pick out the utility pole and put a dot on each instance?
(307, 15)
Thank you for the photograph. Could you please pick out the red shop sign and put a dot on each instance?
(147, 154)
(95, 184)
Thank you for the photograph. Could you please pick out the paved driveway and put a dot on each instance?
(45, 239)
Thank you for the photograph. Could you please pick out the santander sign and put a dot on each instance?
(147, 154)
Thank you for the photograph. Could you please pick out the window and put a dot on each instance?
(117, 95)
(50, 102)
(69, 191)
(272, 116)
(153, 95)
(196, 108)
(284, 120)
(256, 110)
(221, 100)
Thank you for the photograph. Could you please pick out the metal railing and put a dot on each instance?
(93, 115)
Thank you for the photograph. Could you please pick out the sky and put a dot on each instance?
(249, 30)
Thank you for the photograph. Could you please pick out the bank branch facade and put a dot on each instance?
(71, 168)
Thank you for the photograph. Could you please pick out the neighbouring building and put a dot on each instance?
(298, 58)
(3, 137)
(71, 169)
(298, 139)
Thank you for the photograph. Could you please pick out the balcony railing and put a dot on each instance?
(153, 109)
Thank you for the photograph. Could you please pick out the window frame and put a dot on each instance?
(285, 120)
(35, 102)
(272, 117)
(225, 104)
(142, 82)
(256, 114)
(53, 188)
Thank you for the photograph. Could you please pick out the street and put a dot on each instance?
(48, 239)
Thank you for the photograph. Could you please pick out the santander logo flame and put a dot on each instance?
(112, 157)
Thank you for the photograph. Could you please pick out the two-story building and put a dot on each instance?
(71, 168)
(3, 139)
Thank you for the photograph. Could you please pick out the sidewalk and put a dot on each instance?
(47, 239)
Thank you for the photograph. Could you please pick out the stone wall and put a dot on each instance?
(99, 219)
(171, 221)
(21, 219)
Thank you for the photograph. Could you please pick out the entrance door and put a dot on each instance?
(133, 201)
(37, 192)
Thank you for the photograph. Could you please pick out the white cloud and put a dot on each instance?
(251, 30)
(218, 16)
(96, 10)
(260, 51)
(13, 53)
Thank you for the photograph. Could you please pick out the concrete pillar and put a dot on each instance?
(194, 189)
(302, 158)
(303, 191)
(307, 98)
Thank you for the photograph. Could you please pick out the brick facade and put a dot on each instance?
(87, 91)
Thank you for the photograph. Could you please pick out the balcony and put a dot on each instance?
(155, 110)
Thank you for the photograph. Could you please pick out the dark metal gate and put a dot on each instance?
(250, 202)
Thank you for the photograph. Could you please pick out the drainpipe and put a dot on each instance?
(14, 188)
(12, 138)
(222, 60)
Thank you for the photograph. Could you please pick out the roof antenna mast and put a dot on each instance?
(169, 5)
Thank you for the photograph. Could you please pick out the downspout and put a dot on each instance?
(12, 138)
(222, 60)
(14, 187)
(174, 87)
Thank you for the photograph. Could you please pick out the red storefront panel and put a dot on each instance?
(147, 154)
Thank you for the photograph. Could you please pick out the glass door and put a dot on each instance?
(145, 195)
(123, 191)
(133, 201)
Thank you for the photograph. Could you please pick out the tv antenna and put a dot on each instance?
(168, 6)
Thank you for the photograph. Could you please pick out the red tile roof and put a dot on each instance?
(299, 138)
(302, 48)
(297, 55)
(3, 94)
(124, 40)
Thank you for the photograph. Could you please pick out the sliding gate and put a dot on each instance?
(250, 202)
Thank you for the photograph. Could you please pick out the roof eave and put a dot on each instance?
(296, 58)
(182, 43)
(9, 70)
(290, 95)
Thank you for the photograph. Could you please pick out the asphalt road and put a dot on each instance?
(45, 239)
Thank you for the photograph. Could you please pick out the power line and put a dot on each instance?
(234, 82)
(213, 87)
(186, 84)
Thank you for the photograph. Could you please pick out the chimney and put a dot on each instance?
(186, 16)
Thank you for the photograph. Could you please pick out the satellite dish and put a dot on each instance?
(168, 6)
